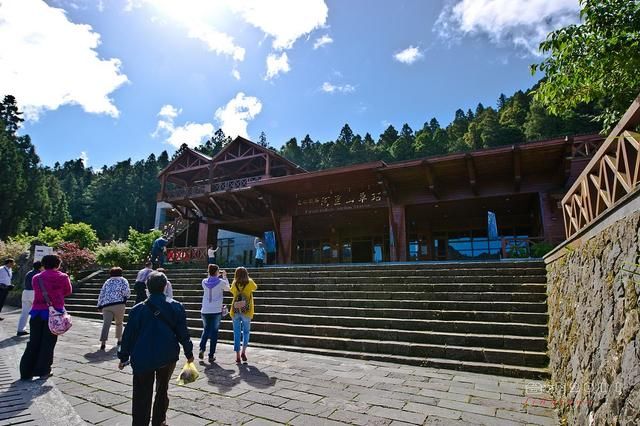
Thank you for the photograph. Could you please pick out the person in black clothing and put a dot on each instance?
(160, 325)
(140, 286)
(6, 274)
(27, 298)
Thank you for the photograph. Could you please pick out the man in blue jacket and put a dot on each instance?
(157, 250)
(150, 341)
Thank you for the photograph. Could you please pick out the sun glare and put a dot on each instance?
(189, 12)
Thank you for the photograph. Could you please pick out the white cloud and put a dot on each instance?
(236, 114)
(322, 41)
(100, 6)
(129, 5)
(85, 158)
(46, 61)
(523, 23)
(193, 134)
(235, 74)
(331, 88)
(217, 41)
(276, 65)
(284, 20)
(408, 55)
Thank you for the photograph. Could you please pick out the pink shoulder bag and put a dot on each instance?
(59, 322)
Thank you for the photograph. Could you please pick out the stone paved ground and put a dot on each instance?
(287, 388)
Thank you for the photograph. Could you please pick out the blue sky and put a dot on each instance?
(112, 79)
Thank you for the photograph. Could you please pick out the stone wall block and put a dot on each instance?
(594, 328)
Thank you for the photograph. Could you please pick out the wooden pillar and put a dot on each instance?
(163, 187)
(212, 236)
(550, 219)
(286, 240)
(398, 233)
(267, 170)
(203, 234)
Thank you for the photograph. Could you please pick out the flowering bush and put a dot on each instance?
(75, 258)
(115, 253)
(12, 249)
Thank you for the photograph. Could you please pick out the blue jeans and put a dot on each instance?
(211, 323)
(241, 324)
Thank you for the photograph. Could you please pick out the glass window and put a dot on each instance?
(414, 250)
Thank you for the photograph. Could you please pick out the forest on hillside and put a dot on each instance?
(114, 198)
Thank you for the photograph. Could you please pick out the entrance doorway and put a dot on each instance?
(361, 251)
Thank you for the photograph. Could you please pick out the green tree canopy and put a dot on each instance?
(594, 61)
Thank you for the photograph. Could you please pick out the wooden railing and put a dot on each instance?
(196, 190)
(234, 184)
(173, 229)
(186, 191)
(610, 176)
(186, 254)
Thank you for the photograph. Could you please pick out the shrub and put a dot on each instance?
(115, 253)
(80, 233)
(13, 249)
(50, 237)
(23, 239)
(75, 258)
(140, 244)
(20, 252)
(540, 249)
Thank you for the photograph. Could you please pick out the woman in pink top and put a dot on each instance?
(38, 355)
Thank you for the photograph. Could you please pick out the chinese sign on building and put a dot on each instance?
(340, 201)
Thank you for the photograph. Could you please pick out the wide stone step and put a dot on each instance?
(439, 325)
(414, 304)
(363, 273)
(455, 279)
(281, 335)
(366, 287)
(181, 293)
(380, 313)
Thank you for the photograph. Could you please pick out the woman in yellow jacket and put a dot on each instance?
(242, 308)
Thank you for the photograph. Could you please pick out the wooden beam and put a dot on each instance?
(517, 168)
(388, 188)
(567, 157)
(188, 169)
(215, 203)
(471, 170)
(198, 209)
(247, 157)
(431, 178)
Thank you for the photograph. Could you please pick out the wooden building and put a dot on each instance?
(427, 209)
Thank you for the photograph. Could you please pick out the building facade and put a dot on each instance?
(435, 208)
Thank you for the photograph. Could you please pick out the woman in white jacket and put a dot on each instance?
(214, 287)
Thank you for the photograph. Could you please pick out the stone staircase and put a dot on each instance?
(486, 317)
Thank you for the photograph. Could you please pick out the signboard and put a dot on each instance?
(492, 226)
(270, 241)
(336, 201)
(40, 252)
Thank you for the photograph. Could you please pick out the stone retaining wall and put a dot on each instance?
(594, 328)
